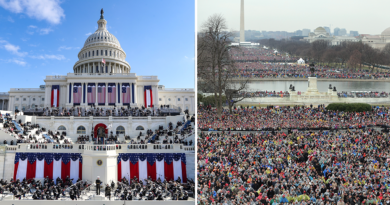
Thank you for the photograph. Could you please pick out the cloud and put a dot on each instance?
(88, 34)
(19, 62)
(12, 48)
(48, 10)
(49, 57)
(45, 31)
(42, 31)
(67, 48)
(25, 39)
(10, 19)
(188, 58)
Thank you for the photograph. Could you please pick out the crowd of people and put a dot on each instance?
(266, 63)
(363, 94)
(280, 70)
(289, 117)
(48, 189)
(264, 94)
(61, 189)
(107, 111)
(258, 54)
(293, 155)
(152, 190)
(25, 132)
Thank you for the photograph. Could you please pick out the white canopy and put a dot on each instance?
(301, 61)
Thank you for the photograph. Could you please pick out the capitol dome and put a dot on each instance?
(386, 32)
(319, 30)
(98, 46)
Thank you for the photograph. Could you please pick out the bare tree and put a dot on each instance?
(355, 58)
(215, 67)
(318, 49)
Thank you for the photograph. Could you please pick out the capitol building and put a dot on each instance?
(100, 121)
(90, 74)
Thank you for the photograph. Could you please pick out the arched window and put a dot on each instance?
(140, 128)
(81, 130)
(97, 52)
(89, 53)
(61, 128)
(120, 130)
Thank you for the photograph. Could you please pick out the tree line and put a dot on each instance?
(351, 54)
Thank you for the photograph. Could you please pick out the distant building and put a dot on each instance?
(336, 31)
(327, 29)
(298, 33)
(376, 41)
(305, 32)
(321, 34)
(353, 33)
(343, 32)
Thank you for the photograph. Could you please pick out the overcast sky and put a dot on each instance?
(366, 17)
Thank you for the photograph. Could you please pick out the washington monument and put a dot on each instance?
(242, 26)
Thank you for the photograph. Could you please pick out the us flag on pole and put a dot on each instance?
(103, 61)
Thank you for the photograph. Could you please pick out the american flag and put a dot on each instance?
(103, 61)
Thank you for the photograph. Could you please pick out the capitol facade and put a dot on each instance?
(101, 84)
(101, 121)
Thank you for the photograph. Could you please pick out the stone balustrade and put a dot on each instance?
(88, 148)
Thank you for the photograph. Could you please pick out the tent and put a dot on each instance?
(301, 61)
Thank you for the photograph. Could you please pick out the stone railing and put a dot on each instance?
(11, 148)
(109, 149)
(189, 148)
(177, 89)
(101, 74)
(56, 77)
(4, 93)
(147, 77)
(27, 89)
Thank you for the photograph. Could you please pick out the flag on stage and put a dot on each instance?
(155, 165)
(55, 95)
(148, 96)
(52, 165)
(111, 93)
(126, 93)
(91, 93)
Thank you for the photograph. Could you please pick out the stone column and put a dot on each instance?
(140, 99)
(106, 94)
(48, 97)
(184, 103)
(155, 96)
(120, 94)
(63, 99)
(2, 105)
(67, 103)
(82, 94)
(93, 67)
(135, 94)
(71, 94)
